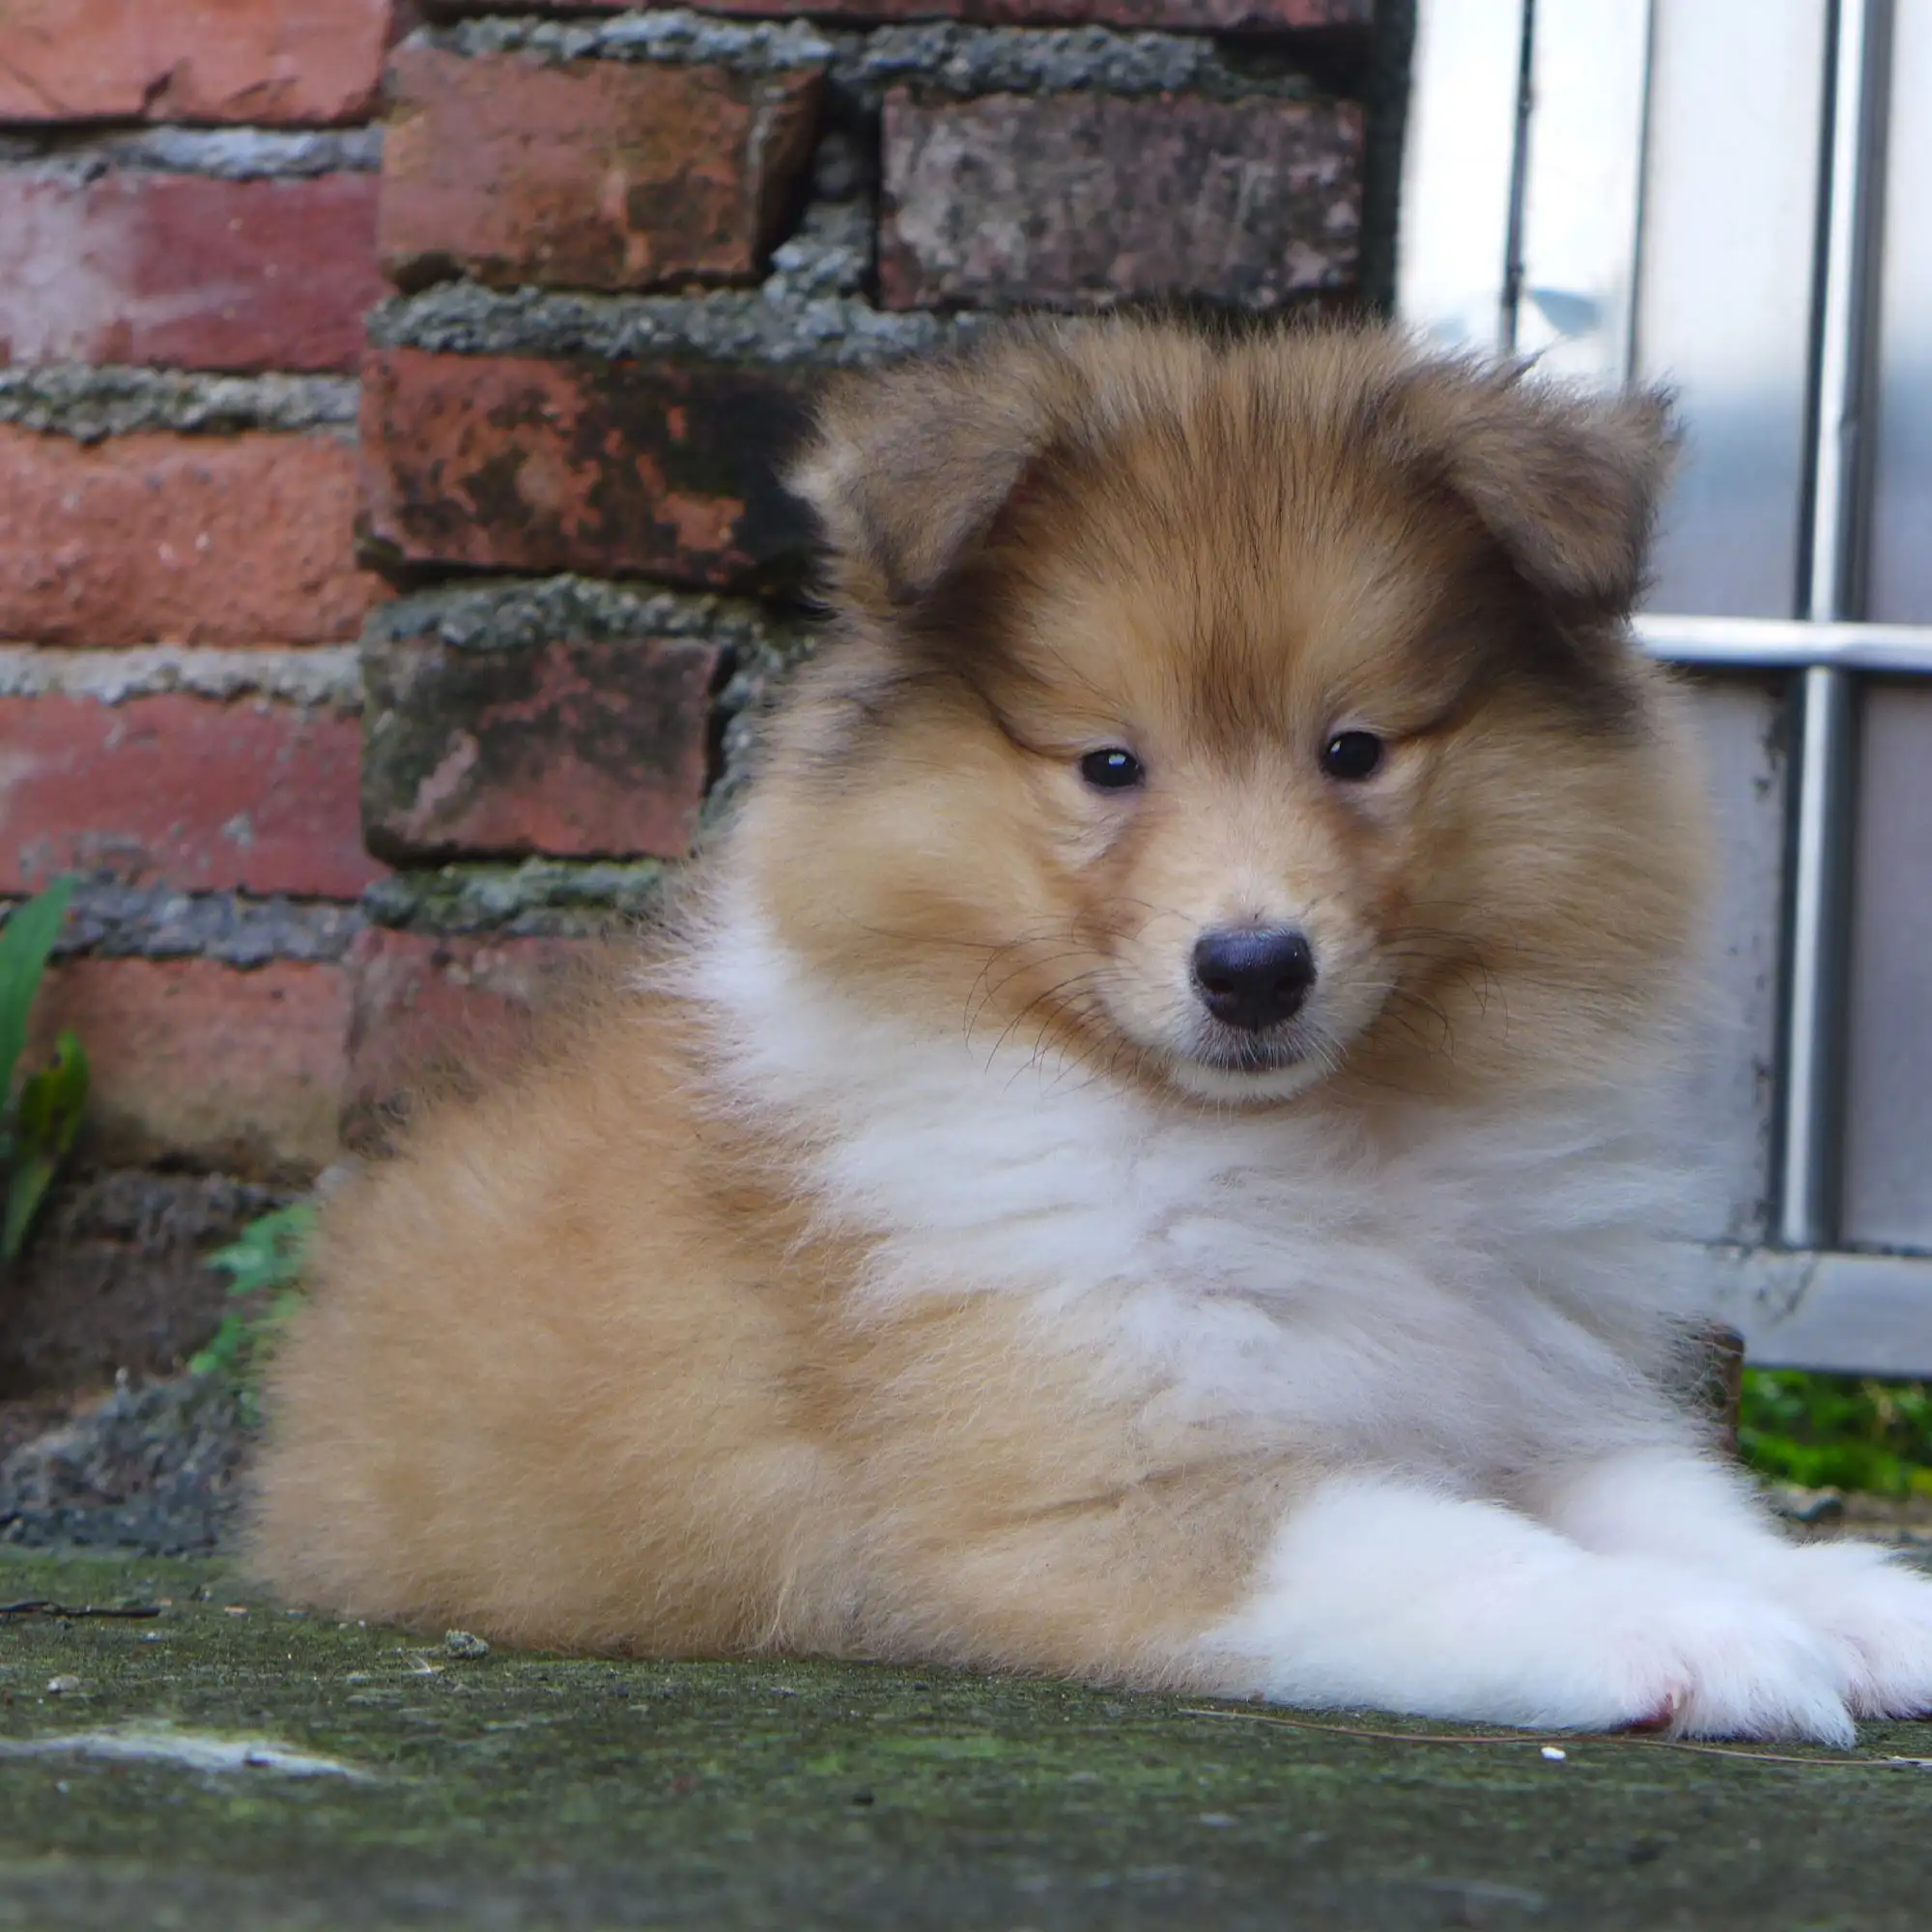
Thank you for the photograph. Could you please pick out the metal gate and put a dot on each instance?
(1735, 197)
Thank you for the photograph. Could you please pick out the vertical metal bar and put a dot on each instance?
(1519, 186)
(1833, 589)
(1815, 994)
(1460, 167)
(1581, 178)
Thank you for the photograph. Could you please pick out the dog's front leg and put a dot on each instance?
(1684, 1508)
(1381, 1592)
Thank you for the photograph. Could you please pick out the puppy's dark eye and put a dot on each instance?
(1112, 770)
(1353, 755)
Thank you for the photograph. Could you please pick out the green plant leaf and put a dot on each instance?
(45, 1122)
(26, 941)
(27, 1183)
(52, 1101)
(264, 1265)
(224, 1349)
(268, 1252)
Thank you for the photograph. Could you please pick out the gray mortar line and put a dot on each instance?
(948, 61)
(89, 402)
(674, 37)
(521, 613)
(828, 331)
(322, 674)
(538, 899)
(226, 154)
(944, 59)
(110, 920)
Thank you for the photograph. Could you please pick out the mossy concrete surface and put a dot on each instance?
(220, 1762)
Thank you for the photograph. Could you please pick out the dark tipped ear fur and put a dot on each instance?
(910, 467)
(1567, 483)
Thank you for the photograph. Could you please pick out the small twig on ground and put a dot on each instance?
(1556, 1738)
(44, 1606)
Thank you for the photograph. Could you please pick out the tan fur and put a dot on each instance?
(583, 1366)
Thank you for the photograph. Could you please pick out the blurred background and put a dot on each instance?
(390, 555)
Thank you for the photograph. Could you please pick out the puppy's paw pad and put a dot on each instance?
(1662, 1719)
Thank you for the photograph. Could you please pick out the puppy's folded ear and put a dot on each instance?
(910, 467)
(1567, 483)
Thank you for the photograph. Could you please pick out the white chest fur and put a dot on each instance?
(1474, 1291)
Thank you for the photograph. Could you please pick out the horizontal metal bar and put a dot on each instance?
(1788, 643)
(1860, 1315)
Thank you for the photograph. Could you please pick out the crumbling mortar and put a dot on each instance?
(945, 61)
(319, 676)
(536, 898)
(521, 613)
(79, 155)
(772, 326)
(942, 59)
(676, 36)
(91, 403)
(110, 919)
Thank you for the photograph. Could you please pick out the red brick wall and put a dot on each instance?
(188, 199)
(364, 667)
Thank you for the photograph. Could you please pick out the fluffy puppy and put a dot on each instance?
(1137, 1158)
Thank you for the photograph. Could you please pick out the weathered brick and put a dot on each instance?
(588, 174)
(203, 1064)
(184, 539)
(655, 469)
(1083, 199)
(186, 791)
(576, 750)
(1250, 16)
(269, 62)
(187, 269)
(429, 1007)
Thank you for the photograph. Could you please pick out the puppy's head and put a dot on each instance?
(1235, 714)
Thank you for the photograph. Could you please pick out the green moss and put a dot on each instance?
(516, 1790)
(1845, 1431)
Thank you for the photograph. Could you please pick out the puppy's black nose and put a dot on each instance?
(1253, 978)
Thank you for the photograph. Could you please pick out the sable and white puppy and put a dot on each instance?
(1138, 1158)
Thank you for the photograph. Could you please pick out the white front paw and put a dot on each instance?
(1581, 1642)
(1376, 1593)
(1706, 1660)
(1875, 1612)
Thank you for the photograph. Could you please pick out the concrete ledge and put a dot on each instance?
(1849, 1314)
(453, 1786)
